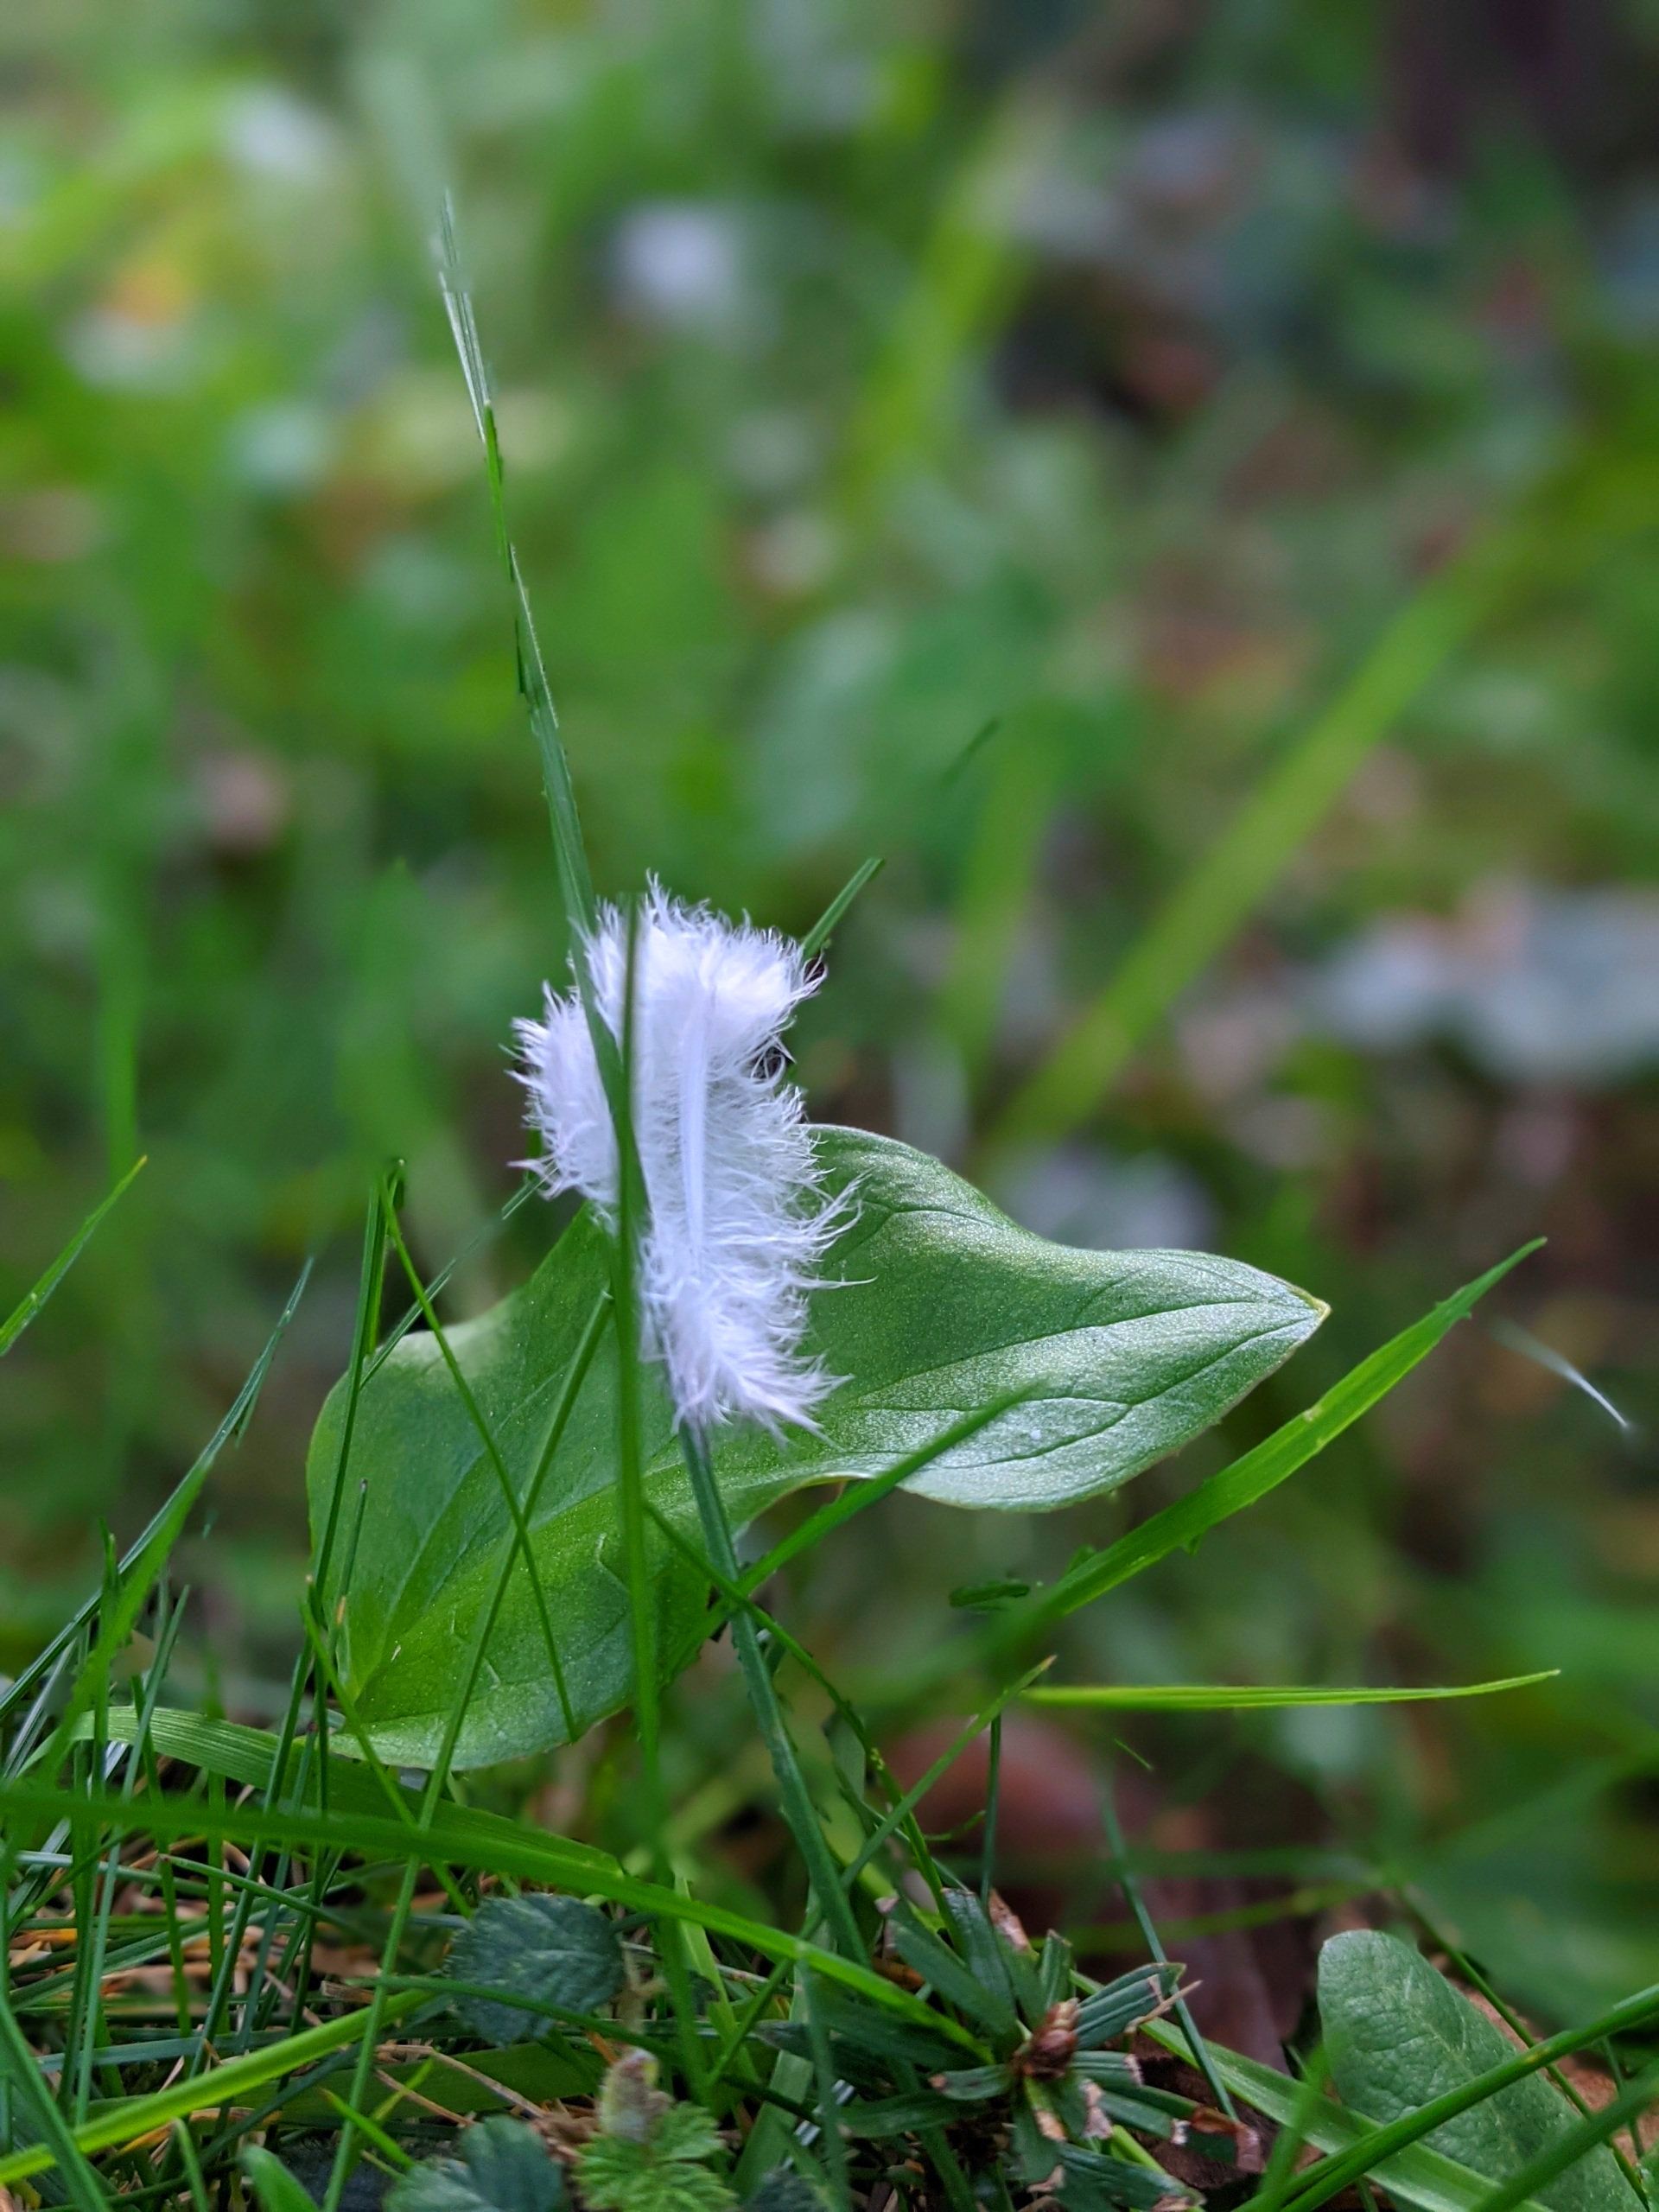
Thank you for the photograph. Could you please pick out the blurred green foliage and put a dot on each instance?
(986, 436)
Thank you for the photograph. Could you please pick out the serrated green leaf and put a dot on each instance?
(500, 2166)
(940, 1305)
(663, 2172)
(554, 1948)
(1397, 2034)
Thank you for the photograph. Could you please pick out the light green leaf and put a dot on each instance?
(1397, 2034)
(554, 1948)
(500, 2166)
(940, 1305)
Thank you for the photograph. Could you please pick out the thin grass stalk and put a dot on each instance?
(1143, 1921)
(524, 1548)
(798, 1810)
(834, 2141)
(768, 1624)
(1586, 2134)
(564, 1406)
(62, 2147)
(144, 1706)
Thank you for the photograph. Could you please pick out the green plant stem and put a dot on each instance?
(1143, 1921)
(799, 1810)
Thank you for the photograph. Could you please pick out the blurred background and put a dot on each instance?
(1176, 478)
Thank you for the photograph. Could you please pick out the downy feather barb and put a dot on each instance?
(739, 1220)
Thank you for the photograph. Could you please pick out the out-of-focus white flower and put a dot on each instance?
(738, 1218)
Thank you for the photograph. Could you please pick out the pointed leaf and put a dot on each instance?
(939, 1305)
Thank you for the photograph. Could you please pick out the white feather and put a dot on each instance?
(738, 1218)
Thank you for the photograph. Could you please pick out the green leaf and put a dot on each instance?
(1398, 2034)
(974, 2085)
(939, 1305)
(273, 2185)
(554, 1948)
(501, 2165)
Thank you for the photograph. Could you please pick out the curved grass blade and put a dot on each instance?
(482, 1842)
(32, 1300)
(1199, 1697)
(139, 1572)
(139, 2116)
(576, 883)
(1180, 1526)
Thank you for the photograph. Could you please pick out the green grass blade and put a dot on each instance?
(1208, 908)
(1531, 2179)
(828, 922)
(32, 1300)
(492, 1229)
(483, 1843)
(522, 1546)
(563, 1406)
(1197, 2045)
(140, 1570)
(1180, 1526)
(1197, 1697)
(858, 1495)
(796, 1799)
(898, 1815)
(137, 2116)
(570, 856)
(61, 2147)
